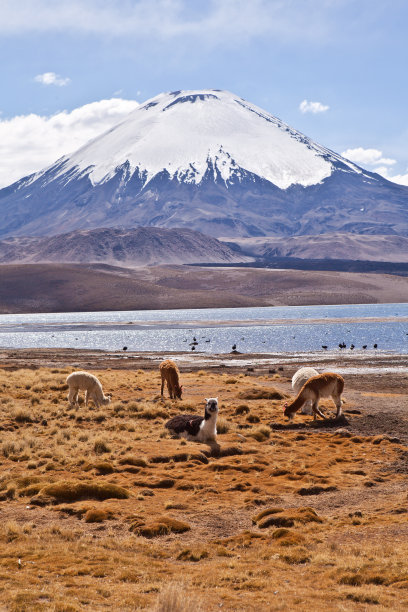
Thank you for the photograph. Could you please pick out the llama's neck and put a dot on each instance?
(208, 428)
(302, 397)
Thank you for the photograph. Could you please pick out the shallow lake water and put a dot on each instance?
(216, 330)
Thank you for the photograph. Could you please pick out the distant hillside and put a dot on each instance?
(143, 246)
(75, 287)
(327, 246)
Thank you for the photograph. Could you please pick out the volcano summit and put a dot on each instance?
(210, 161)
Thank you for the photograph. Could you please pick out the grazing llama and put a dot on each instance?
(323, 385)
(169, 373)
(298, 380)
(87, 382)
(195, 427)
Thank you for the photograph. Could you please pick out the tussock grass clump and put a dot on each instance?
(316, 490)
(287, 537)
(260, 434)
(192, 555)
(96, 515)
(278, 517)
(163, 525)
(104, 467)
(174, 506)
(279, 472)
(266, 512)
(132, 460)
(151, 413)
(12, 531)
(258, 394)
(223, 426)
(101, 446)
(179, 457)
(296, 557)
(174, 598)
(242, 409)
(22, 416)
(71, 491)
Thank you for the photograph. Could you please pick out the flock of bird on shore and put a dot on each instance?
(342, 345)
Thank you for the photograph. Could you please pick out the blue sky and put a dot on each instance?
(333, 69)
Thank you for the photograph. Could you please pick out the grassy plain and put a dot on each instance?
(101, 510)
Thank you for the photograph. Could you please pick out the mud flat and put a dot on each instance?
(102, 509)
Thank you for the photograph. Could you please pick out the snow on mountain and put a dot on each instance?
(184, 132)
(209, 161)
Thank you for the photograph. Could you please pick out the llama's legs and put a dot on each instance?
(73, 396)
(307, 407)
(316, 409)
(337, 401)
(162, 387)
(86, 398)
(169, 387)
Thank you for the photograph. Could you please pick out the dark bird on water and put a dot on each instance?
(375, 345)
(324, 347)
(193, 348)
(364, 346)
(125, 348)
(351, 346)
(234, 346)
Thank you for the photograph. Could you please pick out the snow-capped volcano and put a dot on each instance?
(187, 132)
(209, 161)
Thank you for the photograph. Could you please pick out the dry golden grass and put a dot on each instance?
(103, 510)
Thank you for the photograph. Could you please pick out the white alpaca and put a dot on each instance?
(87, 382)
(298, 380)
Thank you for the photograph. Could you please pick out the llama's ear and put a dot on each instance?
(284, 406)
(206, 400)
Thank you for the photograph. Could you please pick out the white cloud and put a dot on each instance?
(376, 162)
(368, 156)
(216, 21)
(312, 107)
(401, 179)
(29, 143)
(50, 78)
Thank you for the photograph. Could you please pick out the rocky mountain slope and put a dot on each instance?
(133, 247)
(328, 246)
(209, 161)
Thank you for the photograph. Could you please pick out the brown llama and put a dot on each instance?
(323, 385)
(169, 373)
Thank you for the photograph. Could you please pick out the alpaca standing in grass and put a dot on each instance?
(170, 373)
(87, 382)
(195, 427)
(298, 380)
(323, 385)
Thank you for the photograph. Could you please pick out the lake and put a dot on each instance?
(252, 330)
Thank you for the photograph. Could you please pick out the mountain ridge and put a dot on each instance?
(142, 246)
(210, 161)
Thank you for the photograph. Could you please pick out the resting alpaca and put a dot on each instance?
(90, 384)
(298, 380)
(195, 427)
(169, 373)
(323, 385)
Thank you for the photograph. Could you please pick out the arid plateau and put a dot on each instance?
(102, 510)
